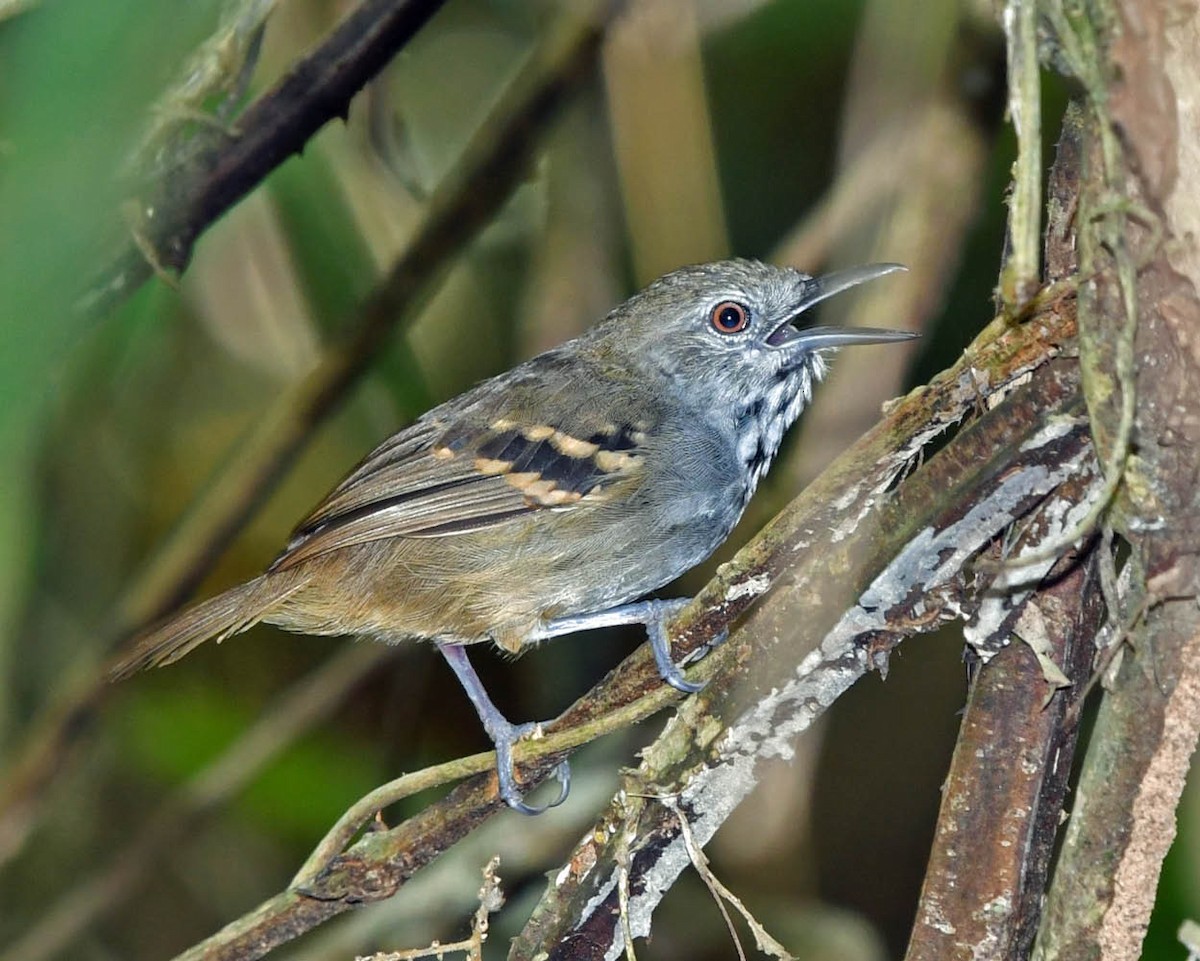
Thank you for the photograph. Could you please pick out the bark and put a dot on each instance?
(1141, 183)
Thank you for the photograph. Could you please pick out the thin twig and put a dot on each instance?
(700, 863)
(1108, 654)
(552, 744)
(721, 894)
(1019, 277)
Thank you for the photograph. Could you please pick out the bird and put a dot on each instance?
(554, 497)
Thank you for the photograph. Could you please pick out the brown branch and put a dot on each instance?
(490, 168)
(1002, 802)
(223, 165)
(1141, 178)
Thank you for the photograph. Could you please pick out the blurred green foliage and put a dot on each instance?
(168, 734)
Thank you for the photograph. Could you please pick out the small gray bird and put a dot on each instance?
(548, 499)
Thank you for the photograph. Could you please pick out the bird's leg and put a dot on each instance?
(504, 733)
(652, 614)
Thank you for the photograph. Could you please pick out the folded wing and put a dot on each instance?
(436, 481)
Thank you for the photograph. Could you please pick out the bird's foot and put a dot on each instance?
(505, 736)
(657, 615)
(503, 732)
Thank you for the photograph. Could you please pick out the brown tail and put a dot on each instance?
(222, 616)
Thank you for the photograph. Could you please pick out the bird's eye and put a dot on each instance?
(729, 317)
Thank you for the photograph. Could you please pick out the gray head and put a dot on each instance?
(737, 336)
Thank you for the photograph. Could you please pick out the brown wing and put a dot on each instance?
(432, 481)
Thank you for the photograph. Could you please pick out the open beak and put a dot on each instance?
(820, 288)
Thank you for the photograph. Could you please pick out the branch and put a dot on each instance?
(1141, 176)
(223, 165)
(1002, 802)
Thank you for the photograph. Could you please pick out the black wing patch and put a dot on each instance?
(572, 471)
(466, 480)
(619, 438)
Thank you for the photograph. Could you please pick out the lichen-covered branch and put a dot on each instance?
(1142, 171)
(1002, 801)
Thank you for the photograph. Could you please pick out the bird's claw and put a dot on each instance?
(510, 791)
(718, 639)
(660, 643)
(674, 676)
